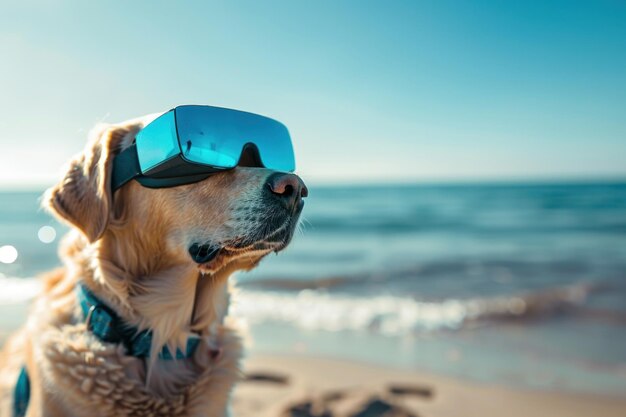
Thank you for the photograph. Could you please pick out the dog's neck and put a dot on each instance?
(172, 299)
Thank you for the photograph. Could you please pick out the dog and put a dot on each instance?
(132, 250)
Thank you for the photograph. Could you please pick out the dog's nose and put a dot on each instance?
(289, 188)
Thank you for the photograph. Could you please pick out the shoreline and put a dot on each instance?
(279, 384)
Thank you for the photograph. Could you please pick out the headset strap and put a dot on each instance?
(125, 167)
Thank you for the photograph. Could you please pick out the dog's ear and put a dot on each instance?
(83, 197)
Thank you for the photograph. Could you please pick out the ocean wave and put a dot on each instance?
(314, 310)
(393, 315)
(17, 290)
(385, 314)
(416, 274)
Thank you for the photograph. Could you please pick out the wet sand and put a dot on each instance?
(303, 386)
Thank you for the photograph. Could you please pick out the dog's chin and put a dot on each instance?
(242, 258)
(244, 252)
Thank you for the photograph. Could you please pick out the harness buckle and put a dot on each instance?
(89, 315)
(102, 323)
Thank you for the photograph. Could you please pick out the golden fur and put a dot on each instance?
(130, 249)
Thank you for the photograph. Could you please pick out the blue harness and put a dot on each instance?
(107, 326)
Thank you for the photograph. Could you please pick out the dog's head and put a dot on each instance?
(232, 218)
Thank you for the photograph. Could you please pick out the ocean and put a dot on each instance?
(513, 284)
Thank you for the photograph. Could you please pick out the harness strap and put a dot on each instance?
(21, 395)
(125, 167)
(107, 326)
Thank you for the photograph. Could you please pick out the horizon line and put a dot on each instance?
(425, 181)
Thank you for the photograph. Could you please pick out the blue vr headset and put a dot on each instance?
(189, 143)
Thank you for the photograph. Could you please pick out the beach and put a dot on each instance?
(303, 386)
(400, 209)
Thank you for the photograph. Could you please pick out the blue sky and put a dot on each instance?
(371, 91)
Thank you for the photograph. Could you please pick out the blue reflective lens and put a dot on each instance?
(216, 136)
(157, 142)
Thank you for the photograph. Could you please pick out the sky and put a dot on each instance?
(370, 91)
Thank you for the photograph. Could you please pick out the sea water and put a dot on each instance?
(519, 284)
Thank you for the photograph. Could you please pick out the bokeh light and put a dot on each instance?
(47, 234)
(8, 254)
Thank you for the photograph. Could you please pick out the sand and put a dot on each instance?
(303, 386)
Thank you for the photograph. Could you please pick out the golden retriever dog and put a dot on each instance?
(134, 250)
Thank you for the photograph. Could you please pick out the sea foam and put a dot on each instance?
(384, 314)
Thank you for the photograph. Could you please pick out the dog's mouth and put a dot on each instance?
(203, 253)
(211, 257)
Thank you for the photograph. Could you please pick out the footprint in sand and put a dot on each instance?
(267, 377)
(411, 390)
(348, 404)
